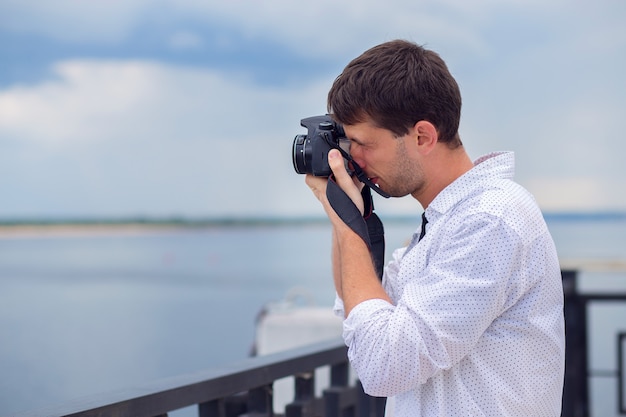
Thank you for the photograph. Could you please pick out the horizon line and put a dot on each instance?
(260, 219)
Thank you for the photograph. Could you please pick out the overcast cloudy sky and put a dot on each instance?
(189, 107)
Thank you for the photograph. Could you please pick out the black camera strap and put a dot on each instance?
(368, 226)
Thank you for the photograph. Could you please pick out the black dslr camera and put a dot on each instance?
(310, 152)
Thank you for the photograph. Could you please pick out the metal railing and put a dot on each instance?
(576, 398)
(244, 388)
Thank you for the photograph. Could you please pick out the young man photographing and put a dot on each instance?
(468, 319)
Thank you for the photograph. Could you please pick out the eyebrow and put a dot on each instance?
(356, 140)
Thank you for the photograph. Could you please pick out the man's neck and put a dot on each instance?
(441, 169)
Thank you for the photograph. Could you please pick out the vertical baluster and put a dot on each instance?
(369, 406)
(339, 374)
(303, 402)
(339, 399)
(213, 408)
(576, 389)
(260, 401)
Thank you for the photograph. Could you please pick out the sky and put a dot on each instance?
(189, 108)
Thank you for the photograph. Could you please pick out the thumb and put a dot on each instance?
(337, 165)
(344, 180)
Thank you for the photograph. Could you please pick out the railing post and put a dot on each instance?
(339, 374)
(370, 406)
(339, 399)
(232, 406)
(260, 401)
(575, 389)
(621, 338)
(213, 408)
(304, 403)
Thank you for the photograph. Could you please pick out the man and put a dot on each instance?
(468, 320)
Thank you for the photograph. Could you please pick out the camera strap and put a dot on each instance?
(368, 226)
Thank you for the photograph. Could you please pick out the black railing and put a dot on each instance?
(244, 388)
(576, 398)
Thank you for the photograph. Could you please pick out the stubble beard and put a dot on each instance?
(406, 177)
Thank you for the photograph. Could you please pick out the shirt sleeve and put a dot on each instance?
(442, 307)
(338, 307)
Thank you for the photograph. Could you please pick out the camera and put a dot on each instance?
(310, 152)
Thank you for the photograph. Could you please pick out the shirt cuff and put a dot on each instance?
(338, 308)
(360, 314)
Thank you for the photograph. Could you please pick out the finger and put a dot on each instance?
(358, 183)
(344, 180)
(317, 185)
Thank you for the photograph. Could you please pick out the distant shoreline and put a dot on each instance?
(136, 226)
(77, 230)
(80, 228)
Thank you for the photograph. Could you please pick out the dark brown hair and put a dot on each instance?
(394, 85)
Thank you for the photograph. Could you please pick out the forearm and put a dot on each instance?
(336, 263)
(353, 269)
(356, 280)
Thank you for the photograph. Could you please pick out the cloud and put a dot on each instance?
(119, 137)
(185, 40)
(143, 137)
(86, 101)
(323, 28)
(92, 101)
(73, 21)
(129, 135)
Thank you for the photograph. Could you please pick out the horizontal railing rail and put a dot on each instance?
(241, 388)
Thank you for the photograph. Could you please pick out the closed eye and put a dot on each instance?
(357, 142)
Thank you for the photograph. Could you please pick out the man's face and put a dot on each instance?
(389, 161)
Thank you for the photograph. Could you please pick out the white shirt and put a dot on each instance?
(476, 326)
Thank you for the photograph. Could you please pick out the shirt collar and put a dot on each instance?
(493, 166)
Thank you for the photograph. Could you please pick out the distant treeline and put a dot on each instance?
(580, 216)
(181, 222)
(270, 221)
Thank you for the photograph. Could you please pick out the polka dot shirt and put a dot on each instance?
(476, 326)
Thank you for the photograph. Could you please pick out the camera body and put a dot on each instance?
(310, 152)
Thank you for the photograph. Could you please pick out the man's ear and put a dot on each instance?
(426, 134)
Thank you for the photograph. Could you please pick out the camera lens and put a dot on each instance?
(301, 154)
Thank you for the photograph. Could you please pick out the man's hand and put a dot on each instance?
(351, 186)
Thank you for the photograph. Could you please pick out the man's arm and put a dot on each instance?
(358, 278)
(353, 269)
(336, 262)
